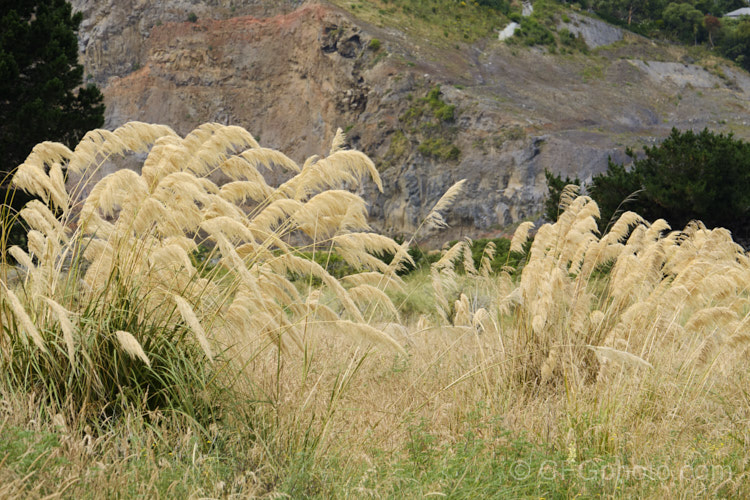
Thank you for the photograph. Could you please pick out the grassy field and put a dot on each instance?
(162, 337)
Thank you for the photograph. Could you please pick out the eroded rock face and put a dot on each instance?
(292, 73)
(113, 38)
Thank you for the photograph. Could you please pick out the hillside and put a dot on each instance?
(499, 114)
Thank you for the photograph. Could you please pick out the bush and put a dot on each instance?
(441, 109)
(440, 149)
(374, 45)
(532, 32)
(192, 17)
(734, 42)
(567, 37)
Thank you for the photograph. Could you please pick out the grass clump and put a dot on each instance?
(109, 311)
(431, 106)
(398, 149)
(442, 111)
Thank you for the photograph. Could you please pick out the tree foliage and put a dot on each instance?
(734, 41)
(41, 92)
(555, 184)
(689, 21)
(41, 97)
(684, 20)
(703, 176)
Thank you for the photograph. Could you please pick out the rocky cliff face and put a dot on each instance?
(114, 34)
(292, 72)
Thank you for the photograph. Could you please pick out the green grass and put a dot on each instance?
(486, 461)
(55, 462)
(592, 72)
(105, 382)
(442, 21)
(398, 150)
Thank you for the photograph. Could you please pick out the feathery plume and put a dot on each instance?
(520, 236)
(468, 260)
(22, 258)
(618, 356)
(370, 295)
(26, 323)
(434, 218)
(188, 315)
(447, 261)
(66, 325)
(131, 346)
(621, 229)
(339, 141)
(463, 315)
(375, 279)
(488, 255)
(567, 195)
(32, 179)
(368, 333)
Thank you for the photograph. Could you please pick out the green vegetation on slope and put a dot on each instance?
(427, 124)
(446, 20)
(689, 21)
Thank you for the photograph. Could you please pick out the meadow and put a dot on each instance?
(164, 334)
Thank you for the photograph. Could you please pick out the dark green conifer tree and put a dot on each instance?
(41, 93)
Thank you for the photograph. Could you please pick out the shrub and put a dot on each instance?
(441, 109)
(192, 17)
(567, 37)
(439, 148)
(689, 176)
(374, 45)
(532, 32)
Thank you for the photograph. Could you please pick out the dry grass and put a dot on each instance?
(629, 347)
